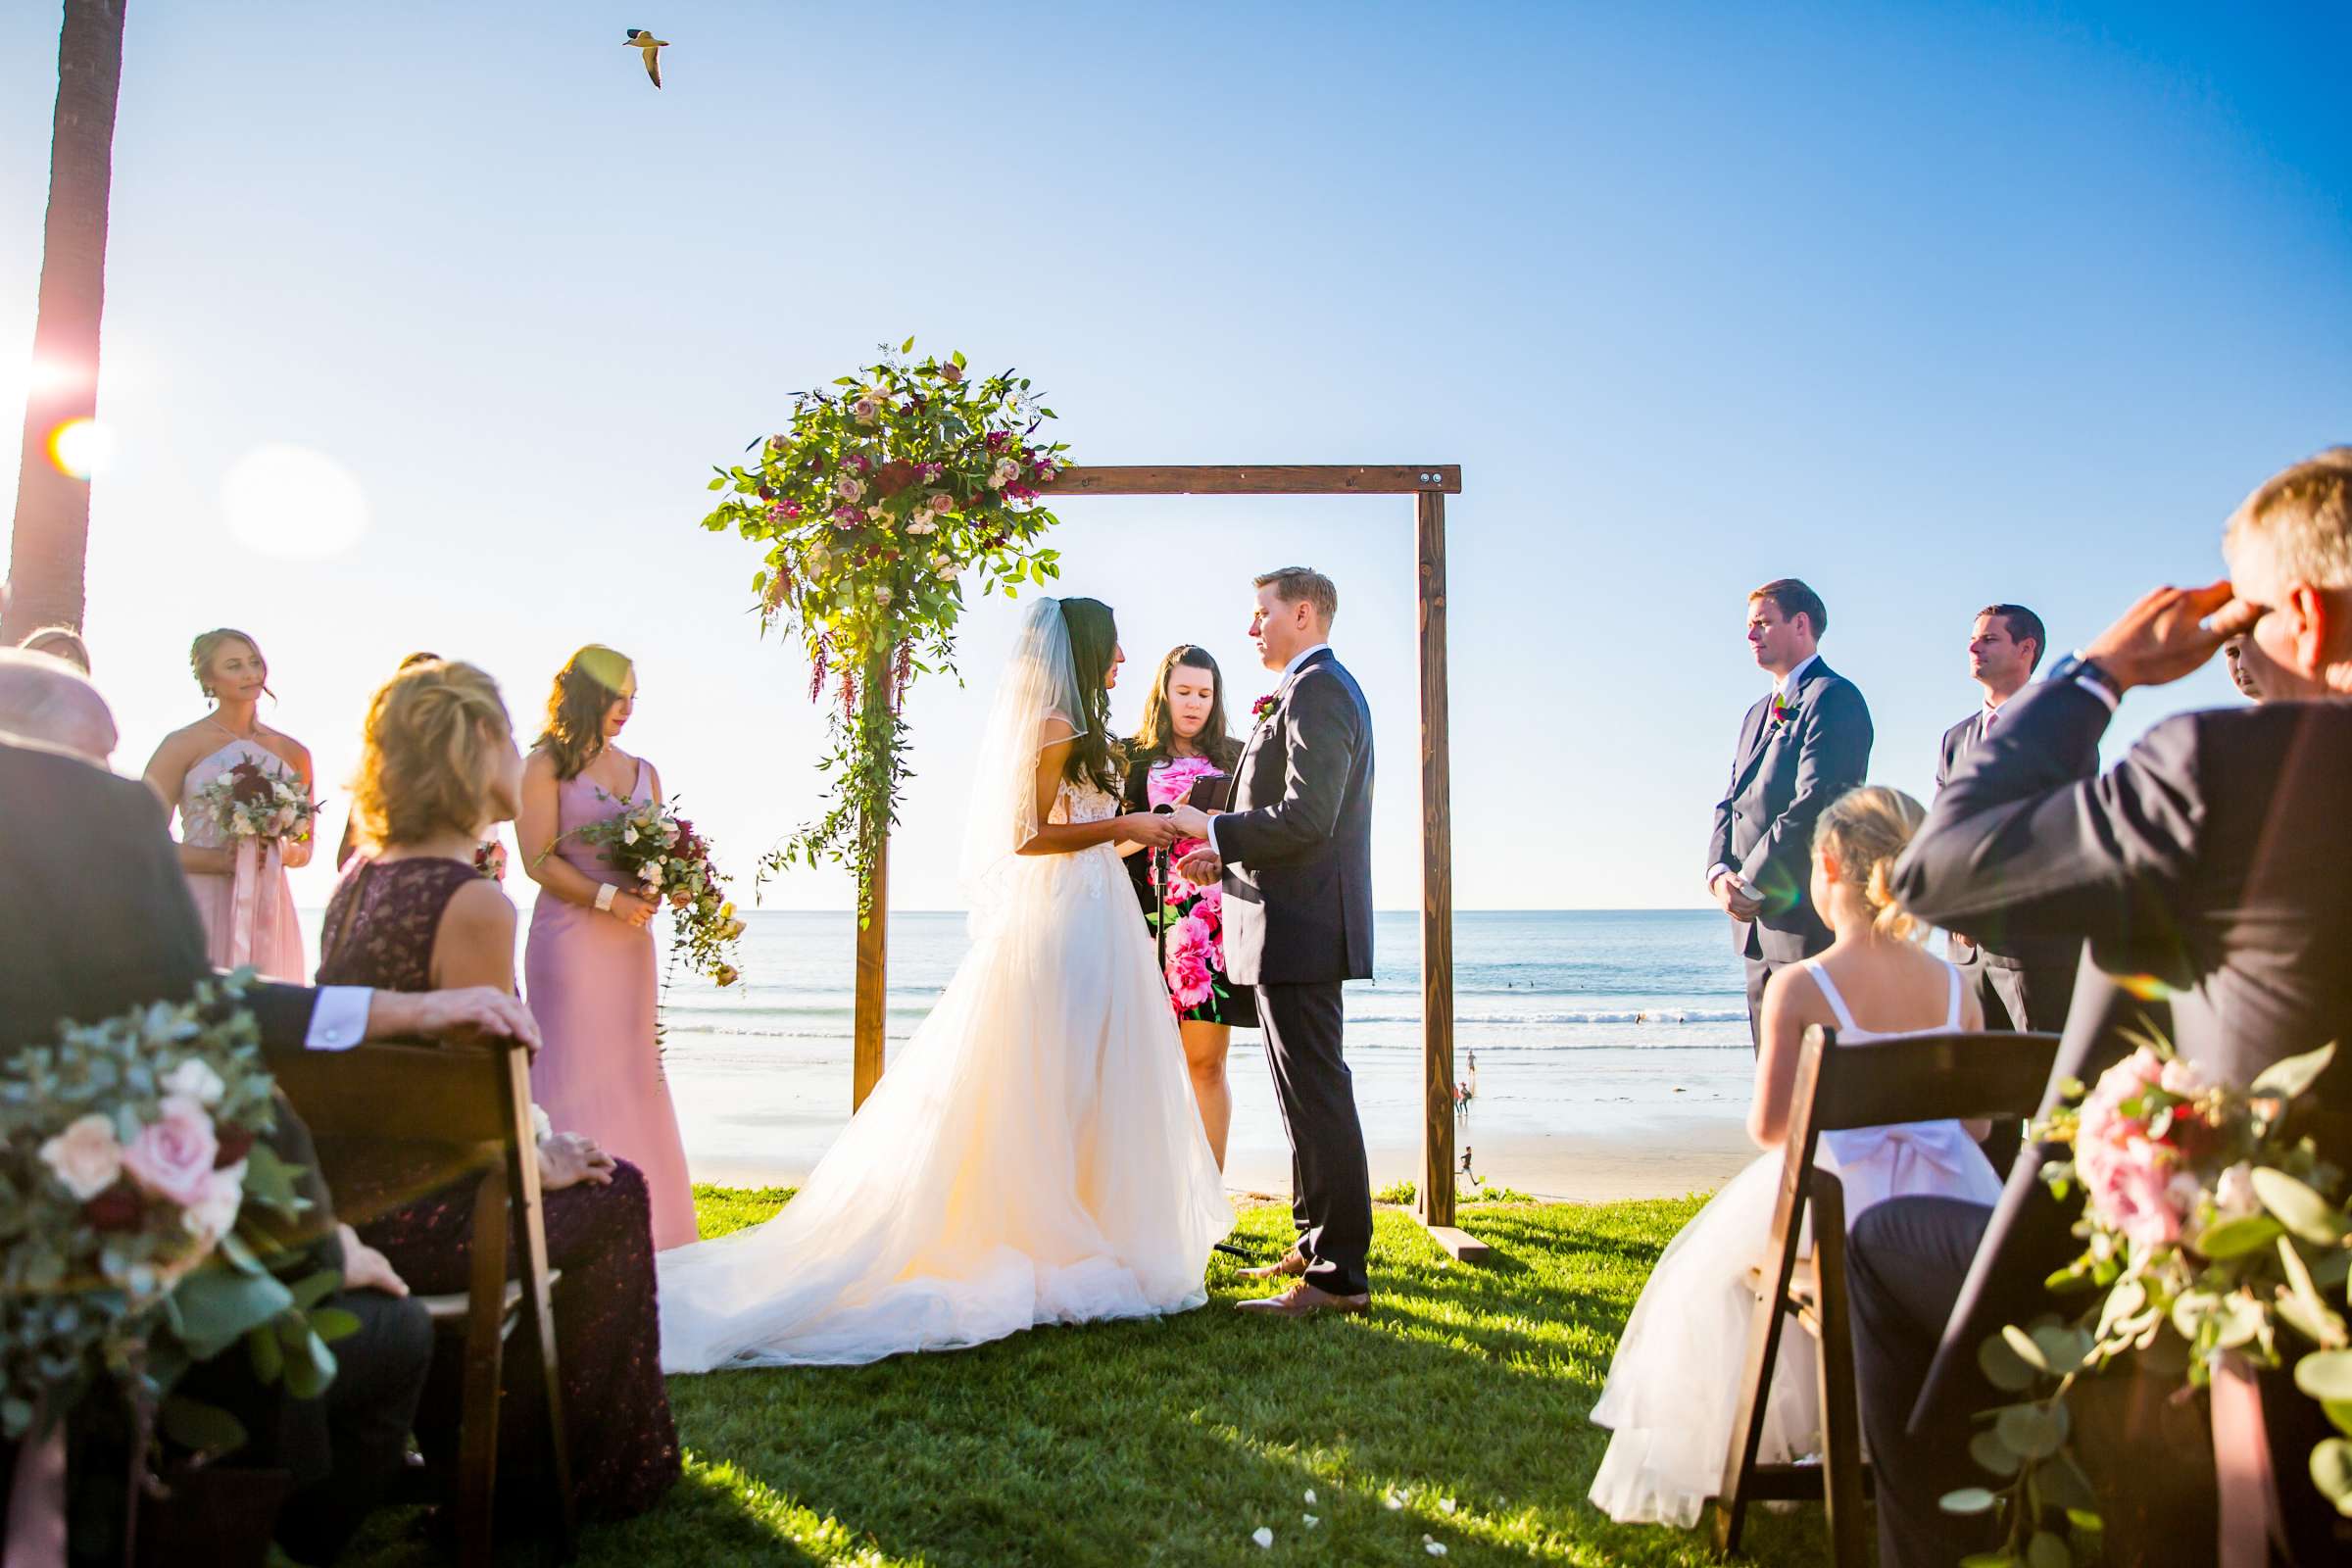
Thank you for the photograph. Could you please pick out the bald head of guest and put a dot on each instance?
(49, 703)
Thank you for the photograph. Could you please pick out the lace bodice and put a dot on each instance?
(1082, 803)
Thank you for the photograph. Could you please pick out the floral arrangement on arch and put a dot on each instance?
(133, 1188)
(2206, 1217)
(889, 488)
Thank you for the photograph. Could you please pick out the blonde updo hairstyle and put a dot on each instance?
(1866, 830)
(207, 646)
(426, 758)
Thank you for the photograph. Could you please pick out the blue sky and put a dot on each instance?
(1930, 304)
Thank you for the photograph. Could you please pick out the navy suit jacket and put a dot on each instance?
(1297, 843)
(2211, 859)
(1989, 933)
(1782, 776)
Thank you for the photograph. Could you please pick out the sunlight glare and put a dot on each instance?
(79, 448)
(293, 503)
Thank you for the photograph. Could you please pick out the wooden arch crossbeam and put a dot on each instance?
(1428, 484)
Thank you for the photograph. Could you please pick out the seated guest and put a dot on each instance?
(2214, 857)
(1675, 1377)
(45, 699)
(118, 929)
(59, 642)
(348, 845)
(2240, 677)
(438, 761)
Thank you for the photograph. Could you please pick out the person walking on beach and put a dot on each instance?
(1800, 749)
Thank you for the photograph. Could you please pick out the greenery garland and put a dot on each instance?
(889, 487)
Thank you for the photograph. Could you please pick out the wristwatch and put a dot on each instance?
(2086, 671)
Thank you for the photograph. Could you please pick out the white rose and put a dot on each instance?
(944, 564)
(215, 1214)
(649, 872)
(87, 1156)
(197, 1081)
(850, 487)
(2234, 1195)
(940, 501)
(628, 835)
(921, 523)
(1004, 473)
(882, 595)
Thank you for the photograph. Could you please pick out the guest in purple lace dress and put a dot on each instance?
(589, 968)
(1183, 753)
(412, 914)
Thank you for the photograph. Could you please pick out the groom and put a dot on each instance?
(1295, 856)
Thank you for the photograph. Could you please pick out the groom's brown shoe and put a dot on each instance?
(1306, 1300)
(1292, 1265)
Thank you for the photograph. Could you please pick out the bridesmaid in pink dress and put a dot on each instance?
(588, 970)
(243, 896)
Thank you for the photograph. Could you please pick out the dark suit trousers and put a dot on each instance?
(1906, 1262)
(2032, 997)
(1333, 1193)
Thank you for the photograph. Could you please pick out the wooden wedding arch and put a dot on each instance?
(1429, 485)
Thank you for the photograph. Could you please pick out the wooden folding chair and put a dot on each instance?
(1876, 1084)
(472, 1103)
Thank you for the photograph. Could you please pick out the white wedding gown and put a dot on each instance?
(1676, 1375)
(1032, 1156)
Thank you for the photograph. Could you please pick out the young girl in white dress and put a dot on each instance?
(1675, 1377)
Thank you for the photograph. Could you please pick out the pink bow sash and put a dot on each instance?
(2242, 1472)
(253, 910)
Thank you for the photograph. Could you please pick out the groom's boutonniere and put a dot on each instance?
(1262, 709)
(1783, 711)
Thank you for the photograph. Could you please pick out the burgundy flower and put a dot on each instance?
(951, 372)
(894, 477)
(235, 1144)
(997, 440)
(766, 493)
(249, 785)
(118, 1208)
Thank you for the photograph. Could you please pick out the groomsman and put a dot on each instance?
(2024, 982)
(1801, 748)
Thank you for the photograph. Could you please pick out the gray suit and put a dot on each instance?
(2216, 858)
(1787, 771)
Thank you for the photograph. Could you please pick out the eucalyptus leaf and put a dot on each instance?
(260, 1349)
(2299, 1207)
(2021, 1345)
(332, 1323)
(2235, 1237)
(2339, 1413)
(1969, 1499)
(2325, 1375)
(2289, 1078)
(2332, 1473)
(2029, 1430)
(1989, 1451)
(216, 1307)
(2003, 1367)
(1988, 1559)
(2046, 1550)
(206, 1428)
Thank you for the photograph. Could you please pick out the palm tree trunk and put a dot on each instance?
(53, 509)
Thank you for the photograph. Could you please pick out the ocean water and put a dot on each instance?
(1582, 1027)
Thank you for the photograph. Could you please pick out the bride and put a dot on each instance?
(1033, 1155)
(1677, 1372)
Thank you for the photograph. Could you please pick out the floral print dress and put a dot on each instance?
(1189, 919)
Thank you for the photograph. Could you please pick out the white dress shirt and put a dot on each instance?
(1288, 671)
(339, 1020)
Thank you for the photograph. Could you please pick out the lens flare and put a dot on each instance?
(293, 503)
(79, 448)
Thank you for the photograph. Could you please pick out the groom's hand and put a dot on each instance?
(1202, 868)
(1191, 821)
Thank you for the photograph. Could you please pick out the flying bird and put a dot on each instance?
(650, 47)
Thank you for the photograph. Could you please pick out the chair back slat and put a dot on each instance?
(1879, 1083)
(457, 1094)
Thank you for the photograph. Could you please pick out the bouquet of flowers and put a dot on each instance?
(888, 490)
(670, 863)
(490, 858)
(131, 1181)
(2204, 1216)
(264, 804)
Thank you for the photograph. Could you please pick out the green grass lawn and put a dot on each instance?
(1454, 1410)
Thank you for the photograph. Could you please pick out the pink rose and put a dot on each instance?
(2181, 1078)
(216, 1213)
(1191, 952)
(172, 1155)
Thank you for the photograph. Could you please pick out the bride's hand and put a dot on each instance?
(1151, 830)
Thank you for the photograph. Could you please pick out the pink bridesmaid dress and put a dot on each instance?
(589, 980)
(248, 914)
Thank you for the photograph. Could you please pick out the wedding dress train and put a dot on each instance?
(1031, 1157)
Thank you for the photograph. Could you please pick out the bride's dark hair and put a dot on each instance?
(1094, 635)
